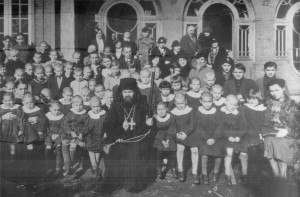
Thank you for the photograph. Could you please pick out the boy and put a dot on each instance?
(37, 59)
(96, 67)
(66, 101)
(234, 126)
(24, 49)
(68, 67)
(86, 60)
(209, 80)
(75, 127)
(45, 99)
(58, 82)
(193, 96)
(13, 62)
(165, 94)
(270, 70)
(99, 91)
(3, 72)
(218, 100)
(92, 85)
(78, 83)
(108, 99)
(28, 75)
(85, 94)
(43, 49)
(39, 82)
(226, 73)
(48, 71)
(175, 84)
(77, 62)
(114, 78)
(87, 73)
(18, 75)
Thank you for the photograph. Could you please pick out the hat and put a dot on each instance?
(214, 40)
(162, 40)
(201, 54)
(207, 29)
(228, 60)
(128, 84)
(182, 56)
(145, 29)
(175, 43)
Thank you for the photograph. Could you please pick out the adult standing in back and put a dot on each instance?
(189, 43)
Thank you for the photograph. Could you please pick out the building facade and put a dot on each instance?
(255, 31)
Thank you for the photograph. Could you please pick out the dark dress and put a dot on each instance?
(10, 128)
(37, 86)
(65, 106)
(54, 127)
(207, 125)
(234, 125)
(193, 99)
(94, 138)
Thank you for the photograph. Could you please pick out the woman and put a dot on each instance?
(281, 129)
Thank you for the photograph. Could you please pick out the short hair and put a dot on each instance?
(126, 46)
(54, 51)
(92, 80)
(106, 56)
(10, 83)
(10, 95)
(161, 103)
(99, 85)
(78, 70)
(277, 81)
(19, 34)
(67, 64)
(46, 90)
(146, 62)
(7, 37)
(76, 53)
(19, 69)
(165, 84)
(145, 71)
(67, 89)
(176, 79)
(77, 99)
(217, 86)
(87, 67)
(28, 64)
(47, 67)
(107, 91)
(37, 53)
(206, 94)
(270, 64)
(209, 73)
(94, 53)
(44, 42)
(95, 99)
(28, 96)
(125, 73)
(57, 66)
(14, 51)
(20, 82)
(239, 66)
(232, 96)
(54, 103)
(255, 93)
(115, 63)
(195, 79)
(85, 89)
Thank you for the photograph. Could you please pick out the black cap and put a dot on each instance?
(214, 40)
(162, 40)
(201, 54)
(128, 84)
(182, 56)
(145, 29)
(228, 60)
(175, 43)
(207, 29)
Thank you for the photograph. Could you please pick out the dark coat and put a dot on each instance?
(11, 66)
(219, 60)
(131, 44)
(53, 86)
(247, 84)
(188, 46)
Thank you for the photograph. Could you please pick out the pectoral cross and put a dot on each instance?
(131, 123)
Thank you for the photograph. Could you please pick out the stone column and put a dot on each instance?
(67, 33)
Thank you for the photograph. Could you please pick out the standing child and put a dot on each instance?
(87, 73)
(176, 84)
(37, 59)
(207, 125)
(99, 91)
(66, 101)
(75, 127)
(77, 61)
(165, 140)
(209, 79)
(185, 136)
(78, 83)
(28, 75)
(92, 85)
(234, 127)
(44, 50)
(165, 94)
(218, 100)
(86, 95)
(68, 68)
(94, 139)
(108, 99)
(13, 62)
(18, 75)
(114, 78)
(106, 66)
(54, 58)
(53, 138)
(193, 96)
(48, 71)
(39, 82)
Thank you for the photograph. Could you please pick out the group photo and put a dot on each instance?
(149, 98)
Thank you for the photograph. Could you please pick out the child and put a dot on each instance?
(48, 71)
(39, 82)
(87, 73)
(207, 125)
(85, 94)
(58, 82)
(75, 127)
(176, 84)
(106, 65)
(11, 128)
(66, 101)
(68, 67)
(226, 73)
(53, 138)
(78, 83)
(209, 80)
(218, 100)
(185, 83)
(37, 59)
(28, 75)
(45, 99)
(94, 139)
(114, 78)
(108, 99)
(255, 113)
(25, 51)
(77, 62)
(92, 85)
(185, 136)
(21, 88)
(5, 51)
(43, 49)
(3, 72)
(234, 127)
(118, 54)
(18, 75)
(99, 91)
(87, 60)
(157, 73)
(96, 67)
(132, 66)
(194, 94)
(165, 94)
(53, 58)
(183, 63)
(9, 87)
(13, 62)
(176, 70)
(165, 140)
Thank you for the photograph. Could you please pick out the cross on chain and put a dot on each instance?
(131, 123)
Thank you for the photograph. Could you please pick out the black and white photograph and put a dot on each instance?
(149, 98)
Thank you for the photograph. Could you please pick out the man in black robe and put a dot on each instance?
(128, 161)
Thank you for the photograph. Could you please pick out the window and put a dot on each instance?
(153, 29)
(281, 40)
(244, 41)
(1, 19)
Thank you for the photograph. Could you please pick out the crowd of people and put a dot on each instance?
(130, 103)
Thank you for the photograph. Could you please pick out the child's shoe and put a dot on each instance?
(215, 177)
(205, 179)
(228, 180)
(181, 176)
(196, 179)
(175, 173)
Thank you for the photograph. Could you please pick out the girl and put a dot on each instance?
(207, 125)
(106, 64)
(194, 94)
(94, 138)
(165, 140)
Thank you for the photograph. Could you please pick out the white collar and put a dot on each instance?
(168, 98)
(86, 103)
(144, 86)
(206, 112)
(51, 117)
(260, 107)
(166, 118)
(78, 113)
(194, 94)
(226, 111)
(178, 112)
(220, 102)
(16, 106)
(119, 50)
(62, 100)
(35, 109)
(96, 116)
(126, 39)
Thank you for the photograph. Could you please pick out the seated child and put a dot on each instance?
(28, 75)
(39, 82)
(48, 71)
(185, 136)
(87, 60)
(77, 61)
(75, 128)
(234, 126)
(85, 94)
(21, 88)
(95, 137)
(92, 85)
(114, 78)
(18, 75)
(218, 100)
(13, 62)
(66, 101)
(165, 140)
(37, 59)
(11, 127)
(45, 99)
(207, 125)
(78, 83)
(87, 73)
(99, 91)
(53, 138)
(209, 79)
(193, 96)
(108, 99)
(165, 94)
(68, 68)
(176, 84)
